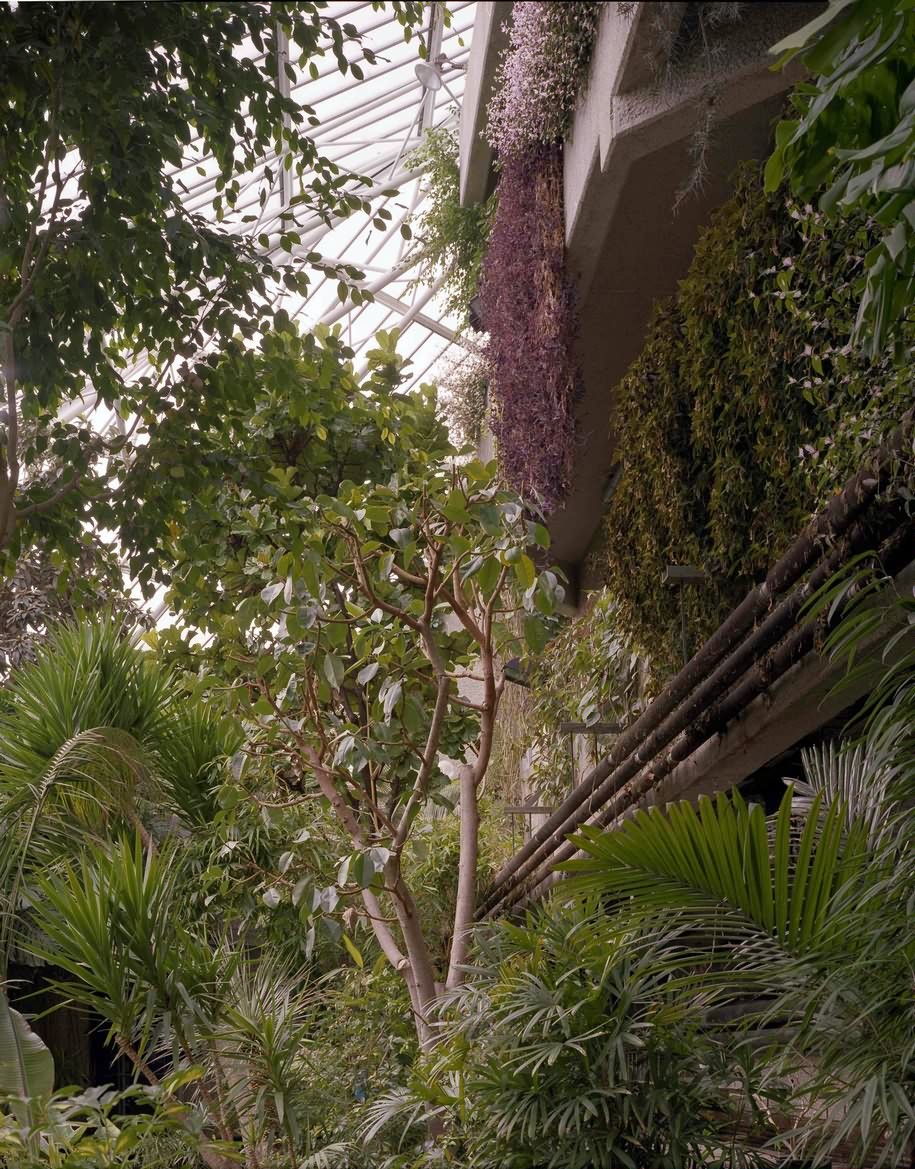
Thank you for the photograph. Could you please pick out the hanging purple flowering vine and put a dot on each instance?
(528, 305)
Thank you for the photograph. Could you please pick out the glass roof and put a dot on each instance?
(371, 127)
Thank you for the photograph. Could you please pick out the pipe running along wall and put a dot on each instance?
(717, 665)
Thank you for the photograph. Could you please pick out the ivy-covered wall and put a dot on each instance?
(746, 409)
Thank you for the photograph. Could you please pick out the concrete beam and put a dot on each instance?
(625, 160)
(490, 37)
(626, 114)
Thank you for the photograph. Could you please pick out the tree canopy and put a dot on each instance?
(112, 277)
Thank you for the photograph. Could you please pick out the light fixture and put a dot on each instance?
(430, 76)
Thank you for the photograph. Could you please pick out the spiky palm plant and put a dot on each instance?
(107, 777)
(182, 994)
(799, 929)
(94, 737)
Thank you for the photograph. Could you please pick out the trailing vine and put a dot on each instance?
(527, 300)
(743, 413)
(451, 239)
(589, 672)
(541, 74)
(528, 310)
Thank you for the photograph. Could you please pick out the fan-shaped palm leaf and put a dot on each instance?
(811, 912)
(721, 864)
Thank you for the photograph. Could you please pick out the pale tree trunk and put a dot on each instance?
(465, 902)
(421, 968)
(470, 779)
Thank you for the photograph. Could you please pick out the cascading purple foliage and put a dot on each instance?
(528, 311)
(542, 73)
(527, 301)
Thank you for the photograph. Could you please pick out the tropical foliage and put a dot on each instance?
(71, 1129)
(128, 870)
(800, 928)
(711, 986)
(568, 1049)
(105, 772)
(366, 611)
(249, 851)
(803, 922)
(450, 239)
(743, 413)
(851, 143)
(83, 190)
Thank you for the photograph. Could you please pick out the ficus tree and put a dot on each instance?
(361, 590)
(111, 114)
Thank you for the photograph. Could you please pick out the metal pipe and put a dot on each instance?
(833, 520)
(700, 721)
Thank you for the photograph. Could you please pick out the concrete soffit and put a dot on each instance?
(490, 37)
(626, 113)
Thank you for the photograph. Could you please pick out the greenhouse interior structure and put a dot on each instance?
(457, 584)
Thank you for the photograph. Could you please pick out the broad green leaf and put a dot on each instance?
(353, 950)
(333, 670)
(488, 574)
(26, 1064)
(536, 634)
(525, 571)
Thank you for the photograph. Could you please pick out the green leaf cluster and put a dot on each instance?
(566, 1049)
(744, 412)
(450, 238)
(853, 133)
(325, 631)
(159, 158)
(286, 420)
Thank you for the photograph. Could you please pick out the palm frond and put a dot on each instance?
(192, 745)
(855, 777)
(720, 867)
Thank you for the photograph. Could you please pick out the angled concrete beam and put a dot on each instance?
(490, 36)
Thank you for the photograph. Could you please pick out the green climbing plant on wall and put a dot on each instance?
(745, 410)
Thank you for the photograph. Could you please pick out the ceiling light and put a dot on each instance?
(430, 77)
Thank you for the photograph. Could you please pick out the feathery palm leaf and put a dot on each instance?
(722, 870)
(92, 733)
(811, 913)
